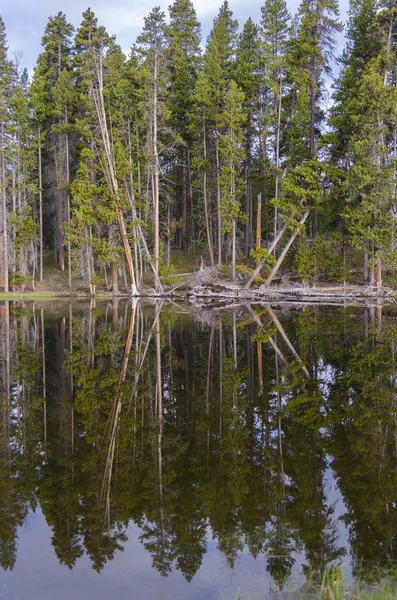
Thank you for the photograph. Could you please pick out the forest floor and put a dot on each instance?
(187, 279)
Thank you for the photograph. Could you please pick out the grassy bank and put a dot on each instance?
(332, 587)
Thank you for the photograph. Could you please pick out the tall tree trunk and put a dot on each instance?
(218, 196)
(184, 207)
(365, 267)
(40, 207)
(234, 251)
(207, 221)
(379, 270)
(156, 198)
(277, 184)
(248, 191)
(259, 223)
(68, 204)
(3, 224)
(115, 285)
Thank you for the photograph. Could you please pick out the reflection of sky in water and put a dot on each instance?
(130, 575)
(37, 574)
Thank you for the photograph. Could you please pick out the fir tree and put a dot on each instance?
(5, 86)
(247, 76)
(231, 150)
(151, 47)
(54, 60)
(184, 35)
(275, 21)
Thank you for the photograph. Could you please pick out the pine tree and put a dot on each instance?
(274, 22)
(371, 182)
(210, 96)
(52, 63)
(23, 252)
(5, 85)
(309, 51)
(85, 188)
(232, 152)
(151, 47)
(184, 36)
(247, 76)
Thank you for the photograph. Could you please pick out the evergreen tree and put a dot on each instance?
(184, 36)
(151, 48)
(275, 20)
(247, 76)
(231, 151)
(23, 250)
(52, 63)
(210, 97)
(371, 185)
(5, 86)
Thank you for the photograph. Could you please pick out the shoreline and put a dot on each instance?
(232, 293)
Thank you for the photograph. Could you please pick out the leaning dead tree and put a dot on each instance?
(282, 256)
(108, 165)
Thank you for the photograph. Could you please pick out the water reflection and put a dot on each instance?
(184, 421)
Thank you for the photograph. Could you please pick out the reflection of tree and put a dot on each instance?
(19, 439)
(362, 439)
(183, 428)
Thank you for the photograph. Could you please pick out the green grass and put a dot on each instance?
(332, 587)
(24, 295)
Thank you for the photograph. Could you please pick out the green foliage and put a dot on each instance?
(263, 256)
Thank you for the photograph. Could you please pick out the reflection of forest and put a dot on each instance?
(230, 420)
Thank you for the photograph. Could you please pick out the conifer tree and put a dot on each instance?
(247, 76)
(275, 21)
(184, 36)
(211, 93)
(52, 63)
(85, 188)
(23, 254)
(231, 151)
(5, 85)
(151, 48)
(310, 49)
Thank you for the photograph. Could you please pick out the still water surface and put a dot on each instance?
(159, 451)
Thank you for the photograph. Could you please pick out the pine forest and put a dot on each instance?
(265, 152)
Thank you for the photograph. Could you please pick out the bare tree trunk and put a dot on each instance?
(277, 185)
(378, 270)
(40, 206)
(258, 269)
(234, 251)
(4, 237)
(372, 269)
(365, 267)
(68, 206)
(156, 197)
(115, 286)
(207, 221)
(259, 223)
(190, 219)
(184, 207)
(284, 252)
(218, 192)
(110, 173)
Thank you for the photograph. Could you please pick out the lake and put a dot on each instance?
(163, 451)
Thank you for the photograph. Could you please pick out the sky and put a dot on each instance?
(25, 20)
